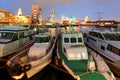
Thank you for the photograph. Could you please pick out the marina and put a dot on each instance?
(59, 40)
(60, 61)
(76, 59)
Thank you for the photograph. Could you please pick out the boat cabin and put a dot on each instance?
(12, 38)
(105, 42)
(43, 44)
(73, 46)
(42, 38)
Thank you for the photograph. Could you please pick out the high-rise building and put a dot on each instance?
(53, 18)
(21, 19)
(36, 14)
(7, 17)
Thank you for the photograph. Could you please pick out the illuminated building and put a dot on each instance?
(19, 12)
(86, 19)
(52, 19)
(7, 17)
(23, 20)
(36, 14)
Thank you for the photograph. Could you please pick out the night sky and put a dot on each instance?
(110, 9)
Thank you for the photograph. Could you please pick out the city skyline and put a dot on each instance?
(109, 9)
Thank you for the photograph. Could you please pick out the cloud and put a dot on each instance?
(107, 2)
(52, 3)
(48, 5)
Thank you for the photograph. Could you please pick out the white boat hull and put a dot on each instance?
(114, 66)
(39, 64)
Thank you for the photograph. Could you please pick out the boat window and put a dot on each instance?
(6, 35)
(79, 39)
(100, 36)
(15, 37)
(37, 40)
(45, 39)
(66, 40)
(41, 39)
(109, 47)
(21, 34)
(30, 37)
(93, 34)
(73, 40)
(103, 48)
(112, 36)
(113, 49)
(118, 36)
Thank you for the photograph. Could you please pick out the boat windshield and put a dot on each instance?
(42, 39)
(6, 35)
(112, 36)
(73, 40)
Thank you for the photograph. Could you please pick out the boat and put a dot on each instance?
(79, 63)
(107, 44)
(34, 60)
(14, 39)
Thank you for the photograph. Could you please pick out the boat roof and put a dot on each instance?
(12, 29)
(103, 31)
(72, 34)
(42, 34)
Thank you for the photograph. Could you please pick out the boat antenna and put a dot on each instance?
(99, 15)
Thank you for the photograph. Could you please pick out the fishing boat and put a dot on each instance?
(14, 39)
(34, 60)
(77, 61)
(107, 44)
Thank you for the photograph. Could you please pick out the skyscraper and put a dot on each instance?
(53, 18)
(36, 14)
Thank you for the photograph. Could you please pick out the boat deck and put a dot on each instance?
(81, 64)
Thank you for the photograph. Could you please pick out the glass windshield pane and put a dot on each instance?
(73, 40)
(45, 39)
(112, 36)
(79, 39)
(6, 35)
(66, 40)
(41, 39)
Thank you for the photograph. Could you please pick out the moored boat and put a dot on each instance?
(77, 61)
(34, 60)
(14, 39)
(106, 43)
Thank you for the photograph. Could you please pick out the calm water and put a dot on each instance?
(48, 73)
